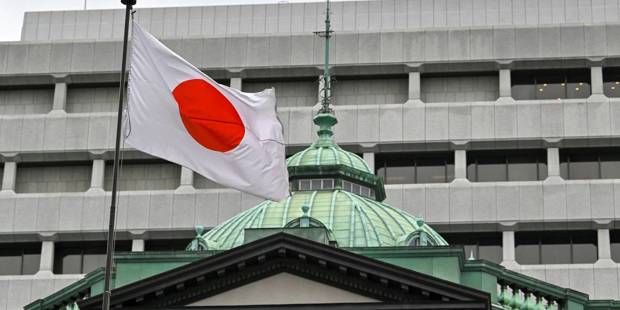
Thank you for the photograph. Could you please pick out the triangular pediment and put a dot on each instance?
(283, 289)
(314, 273)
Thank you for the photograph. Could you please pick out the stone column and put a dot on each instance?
(9, 175)
(97, 175)
(46, 264)
(415, 85)
(553, 164)
(596, 83)
(187, 180)
(369, 157)
(604, 248)
(137, 245)
(460, 164)
(508, 248)
(60, 95)
(505, 86)
(235, 82)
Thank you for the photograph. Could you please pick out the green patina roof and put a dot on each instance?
(355, 221)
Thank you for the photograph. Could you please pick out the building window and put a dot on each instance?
(83, 257)
(614, 238)
(144, 175)
(19, 258)
(53, 178)
(166, 244)
(406, 168)
(591, 163)
(483, 245)
(459, 87)
(611, 82)
(556, 247)
(507, 165)
(550, 84)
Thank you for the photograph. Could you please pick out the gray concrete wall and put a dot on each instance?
(285, 18)
(18, 291)
(53, 178)
(358, 124)
(26, 101)
(397, 47)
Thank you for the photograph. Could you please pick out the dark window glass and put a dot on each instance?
(550, 84)
(483, 245)
(610, 165)
(19, 258)
(506, 165)
(611, 82)
(166, 244)
(407, 168)
(556, 247)
(591, 163)
(614, 238)
(83, 257)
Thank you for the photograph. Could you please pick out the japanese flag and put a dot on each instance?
(178, 113)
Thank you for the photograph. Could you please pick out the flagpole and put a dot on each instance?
(110, 246)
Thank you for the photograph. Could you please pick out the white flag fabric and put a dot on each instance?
(178, 113)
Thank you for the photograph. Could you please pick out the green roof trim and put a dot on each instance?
(68, 295)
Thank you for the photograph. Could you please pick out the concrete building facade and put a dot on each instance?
(473, 82)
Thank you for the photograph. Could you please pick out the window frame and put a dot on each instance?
(598, 152)
(540, 235)
(508, 156)
(413, 160)
(537, 80)
(23, 247)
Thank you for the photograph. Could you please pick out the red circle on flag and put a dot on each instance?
(208, 116)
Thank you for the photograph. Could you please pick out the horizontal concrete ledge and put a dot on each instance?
(555, 204)
(467, 44)
(479, 206)
(398, 123)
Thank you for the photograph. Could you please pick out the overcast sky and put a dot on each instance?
(12, 11)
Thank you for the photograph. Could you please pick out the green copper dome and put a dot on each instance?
(353, 220)
(339, 191)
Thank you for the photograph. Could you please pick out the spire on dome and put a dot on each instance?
(325, 118)
(326, 97)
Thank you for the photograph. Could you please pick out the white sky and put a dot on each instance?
(12, 11)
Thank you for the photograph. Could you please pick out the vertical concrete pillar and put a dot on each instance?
(369, 157)
(505, 84)
(97, 176)
(604, 244)
(46, 264)
(508, 247)
(187, 179)
(137, 245)
(460, 164)
(60, 97)
(236, 83)
(553, 163)
(415, 85)
(9, 175)
(596, 80)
